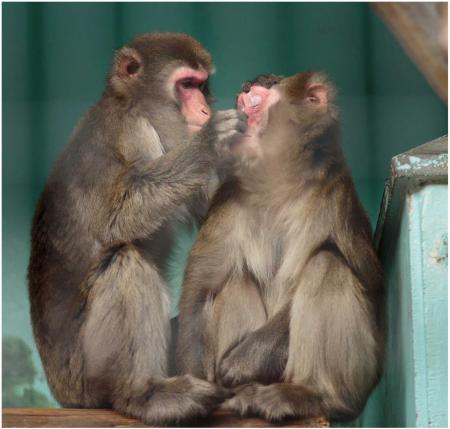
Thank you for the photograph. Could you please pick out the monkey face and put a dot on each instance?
(255, 102)
(165, 69)
(276, 106)
(188, 87)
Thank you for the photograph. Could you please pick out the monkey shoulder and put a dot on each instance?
(139, 140)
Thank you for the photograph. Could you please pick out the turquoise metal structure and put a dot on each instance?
(412, 238)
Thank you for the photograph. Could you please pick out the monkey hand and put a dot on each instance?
(240, 364)
(224, 130)
(260, 357)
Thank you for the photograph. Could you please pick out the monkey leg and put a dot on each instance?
(333, 360)
(235, 312)
(124, 345)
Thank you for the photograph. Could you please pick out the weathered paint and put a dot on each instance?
(408, 162)
(399, 408)
(432, 202)
(412, 238)
(427, 162)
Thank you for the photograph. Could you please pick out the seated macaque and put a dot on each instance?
(283, 291)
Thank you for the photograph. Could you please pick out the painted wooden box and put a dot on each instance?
(411, 237)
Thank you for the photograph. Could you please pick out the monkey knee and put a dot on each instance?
(124, 272)
(124, 281)
(119, 262)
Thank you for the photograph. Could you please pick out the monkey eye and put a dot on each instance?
(192, 83)
(188, 83)
(313, 99)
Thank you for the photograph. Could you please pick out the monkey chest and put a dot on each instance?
(261, 246)
(272, 247)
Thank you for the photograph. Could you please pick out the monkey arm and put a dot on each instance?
(199, 290)
(150, 192)
(355, 244)
(147, 193)
(261, 356)
(191, 338)
(206, 273)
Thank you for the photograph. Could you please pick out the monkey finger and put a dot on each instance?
(223, 115)
(230, 122)
(243, 400)
(228, 138)
(242, 126)
(242, 115)
(227, 126)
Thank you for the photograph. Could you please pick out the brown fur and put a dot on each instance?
(102, 234)
(291, 237)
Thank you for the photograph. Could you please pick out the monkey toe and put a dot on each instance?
(242, 402)
(268, 403)
(238, 405)
(264, 401)
(174, 401)
(204, 390)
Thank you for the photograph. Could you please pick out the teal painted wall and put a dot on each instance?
(415, 257)
(55, 58)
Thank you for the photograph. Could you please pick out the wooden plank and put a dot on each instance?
(96, 418)
(419, 28)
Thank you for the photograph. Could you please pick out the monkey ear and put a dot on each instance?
(317, 94)
(128, 63)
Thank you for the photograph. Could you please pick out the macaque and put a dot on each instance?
(283, 291)
(142, 159)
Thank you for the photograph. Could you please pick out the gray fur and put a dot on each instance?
(102, 234)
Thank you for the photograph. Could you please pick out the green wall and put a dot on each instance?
(55, 58)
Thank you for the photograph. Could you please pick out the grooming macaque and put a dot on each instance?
(141, 159)
(283, 290)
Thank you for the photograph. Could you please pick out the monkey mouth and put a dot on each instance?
(249, 103)
(252, 103)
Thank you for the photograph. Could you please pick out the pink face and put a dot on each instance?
(256, 104)
(188, 84)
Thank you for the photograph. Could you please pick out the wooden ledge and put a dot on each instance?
(74, 417)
